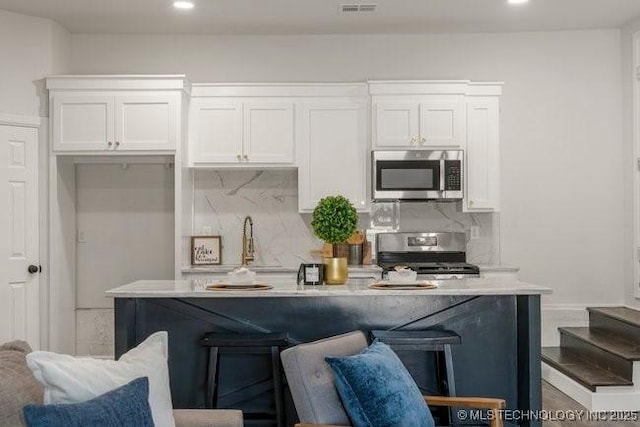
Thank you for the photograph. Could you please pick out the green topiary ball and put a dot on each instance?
(334, 219)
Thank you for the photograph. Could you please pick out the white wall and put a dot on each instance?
(125, 223)
(562, 155)
(628, 76)
(30, 48)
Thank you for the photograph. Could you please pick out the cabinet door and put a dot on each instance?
(146, 122)
(268, 132)
(334, 153)
(442, 124)
(483, 156)
(82, 123)
(215, 132)
(396, 124)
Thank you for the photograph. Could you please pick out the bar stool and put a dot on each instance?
(430, 340)
(270, 343)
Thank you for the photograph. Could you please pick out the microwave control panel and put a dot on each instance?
(452, 175)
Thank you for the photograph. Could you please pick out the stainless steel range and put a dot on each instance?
(434, 256)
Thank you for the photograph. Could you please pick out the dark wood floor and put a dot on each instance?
(554, 400)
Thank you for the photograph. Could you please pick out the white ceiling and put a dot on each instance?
(323, 16)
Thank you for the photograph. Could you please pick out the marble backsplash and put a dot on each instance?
(284, 237)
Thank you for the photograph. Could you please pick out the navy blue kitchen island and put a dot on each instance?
(498, 321)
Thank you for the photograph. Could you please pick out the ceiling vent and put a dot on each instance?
(358, 8)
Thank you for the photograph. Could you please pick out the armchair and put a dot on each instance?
(316, 398)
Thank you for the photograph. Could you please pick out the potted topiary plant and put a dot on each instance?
(334, 221)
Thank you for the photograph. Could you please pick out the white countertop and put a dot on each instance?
(354, 287)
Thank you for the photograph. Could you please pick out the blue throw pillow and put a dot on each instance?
(126, 406)
(378, 391)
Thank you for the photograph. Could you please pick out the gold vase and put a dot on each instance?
(336, 271)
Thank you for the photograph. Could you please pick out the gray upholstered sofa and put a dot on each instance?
(18, 388)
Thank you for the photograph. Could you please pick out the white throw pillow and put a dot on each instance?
(68, 379)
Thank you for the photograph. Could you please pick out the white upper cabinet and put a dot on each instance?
(108, 114)
(215, 131)
(334, 153)
(442, 124)
(415, 125)
(396, 124)
(82, 122)
(268, 132)
(483, 156)
(146, 122)
(241, 132)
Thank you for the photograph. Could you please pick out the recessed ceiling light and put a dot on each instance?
(183, 4)
(517, 1)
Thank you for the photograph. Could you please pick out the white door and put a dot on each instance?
(396, 124)
(19, 290)
(145, 122)
(268, 132)
(82, 123)
(442, 124)
(334, 153)
(215, 132)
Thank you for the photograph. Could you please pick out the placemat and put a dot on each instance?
(388, 286)
(229, 287)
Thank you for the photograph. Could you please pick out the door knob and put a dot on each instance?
(34, 269)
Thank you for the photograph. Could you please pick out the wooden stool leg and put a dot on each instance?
(212, 381)
(277, 385)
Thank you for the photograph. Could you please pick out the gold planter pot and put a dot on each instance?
(336, 271)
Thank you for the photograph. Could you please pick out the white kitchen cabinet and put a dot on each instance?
(109, 114)
(482, 183)
(82, 123)
(241, 132)
(268, 132)
(146, 122)
(442, 124)
(215, 131)
(419, 124)
(333, 153)
(396, 124)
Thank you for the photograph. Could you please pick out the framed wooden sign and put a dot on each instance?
(206, 250)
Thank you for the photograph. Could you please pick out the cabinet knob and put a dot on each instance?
(423, 139)
(109, 143)
(117, 143)
(470, 202)
(239, 157)
(246, 157)
(414, 139)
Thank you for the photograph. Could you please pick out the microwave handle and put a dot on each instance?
(442, 188)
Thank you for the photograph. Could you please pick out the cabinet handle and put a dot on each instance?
(239, 157)
(246, 157)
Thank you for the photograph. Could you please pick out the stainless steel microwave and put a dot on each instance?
(418, 175)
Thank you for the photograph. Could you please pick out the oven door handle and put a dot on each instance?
(442, 188)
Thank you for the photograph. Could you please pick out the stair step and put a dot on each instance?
(620, 321)
(580, 370)
(578, 342)
(619, 346)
